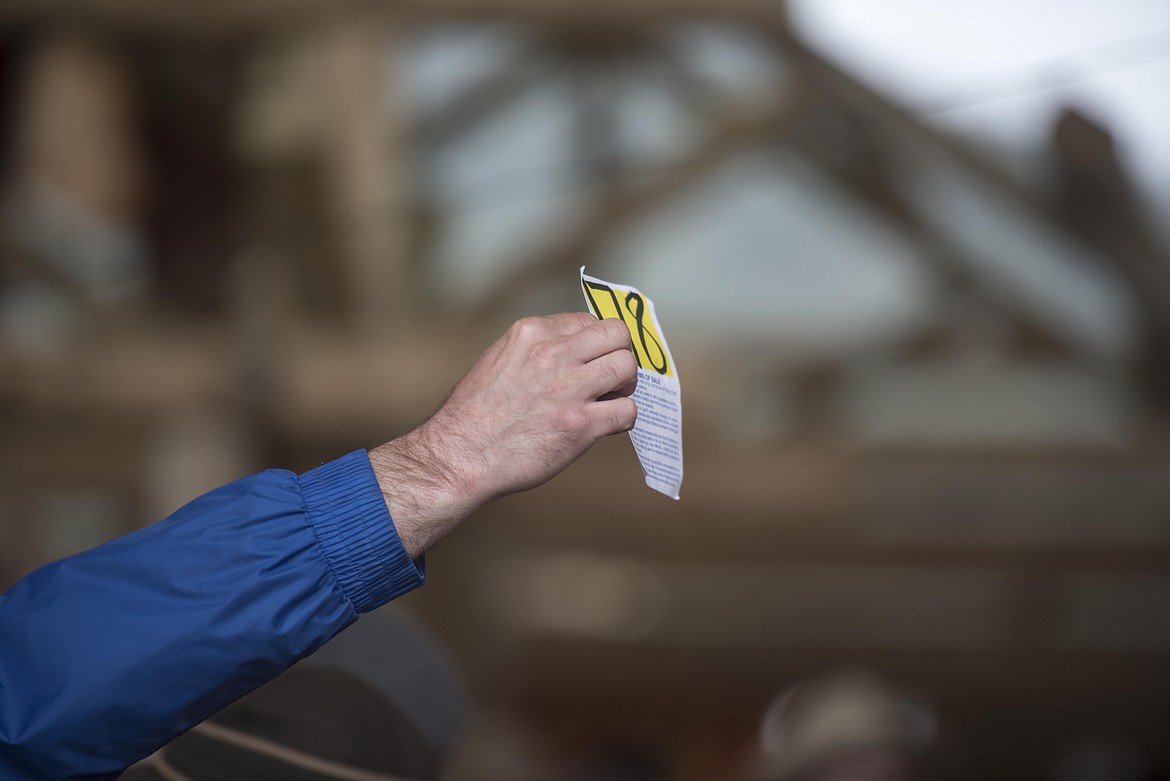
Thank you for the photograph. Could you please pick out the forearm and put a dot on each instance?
(106, 656)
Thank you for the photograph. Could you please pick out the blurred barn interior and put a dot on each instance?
(925, 381)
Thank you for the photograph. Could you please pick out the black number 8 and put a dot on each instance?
(637, 307)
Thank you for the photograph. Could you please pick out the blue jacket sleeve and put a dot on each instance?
(107, 655)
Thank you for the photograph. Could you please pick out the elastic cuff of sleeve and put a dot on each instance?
(357, 534)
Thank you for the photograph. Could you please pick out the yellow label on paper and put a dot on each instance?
(608, 301)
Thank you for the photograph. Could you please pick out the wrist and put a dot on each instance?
(427, 492)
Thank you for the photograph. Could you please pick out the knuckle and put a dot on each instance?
(613, 374)
(572, 419)
(526, 328)
(542, 352)
(628, 366)
(622, 369)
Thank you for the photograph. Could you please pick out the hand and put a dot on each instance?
(533, 403)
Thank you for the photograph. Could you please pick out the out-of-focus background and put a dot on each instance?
(912, 259)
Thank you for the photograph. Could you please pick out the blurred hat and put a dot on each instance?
(380, 702)
(818, 722)
(394, 655)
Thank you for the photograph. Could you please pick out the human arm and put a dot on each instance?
(107, 655)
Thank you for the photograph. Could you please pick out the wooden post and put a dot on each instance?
(367, 169)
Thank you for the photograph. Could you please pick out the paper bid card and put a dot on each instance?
(657, 435)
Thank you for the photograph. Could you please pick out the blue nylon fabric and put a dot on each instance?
(107, 655)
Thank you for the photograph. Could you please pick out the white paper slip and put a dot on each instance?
(657, 435)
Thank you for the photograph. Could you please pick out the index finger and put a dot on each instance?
(600, 337)
(569, 323)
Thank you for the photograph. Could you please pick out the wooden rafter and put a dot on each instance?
(231, 17)
(624, 205)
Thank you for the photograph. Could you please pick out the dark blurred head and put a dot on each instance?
(380, 704)
(307, 725)
(846, 727)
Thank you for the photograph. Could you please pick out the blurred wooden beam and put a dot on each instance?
(367, 168)
(883, 114)
(893, 126)
(1095, 200)
(604, 11)
(222, 17)
(321, 380)
(862, 165)
(623, 204)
